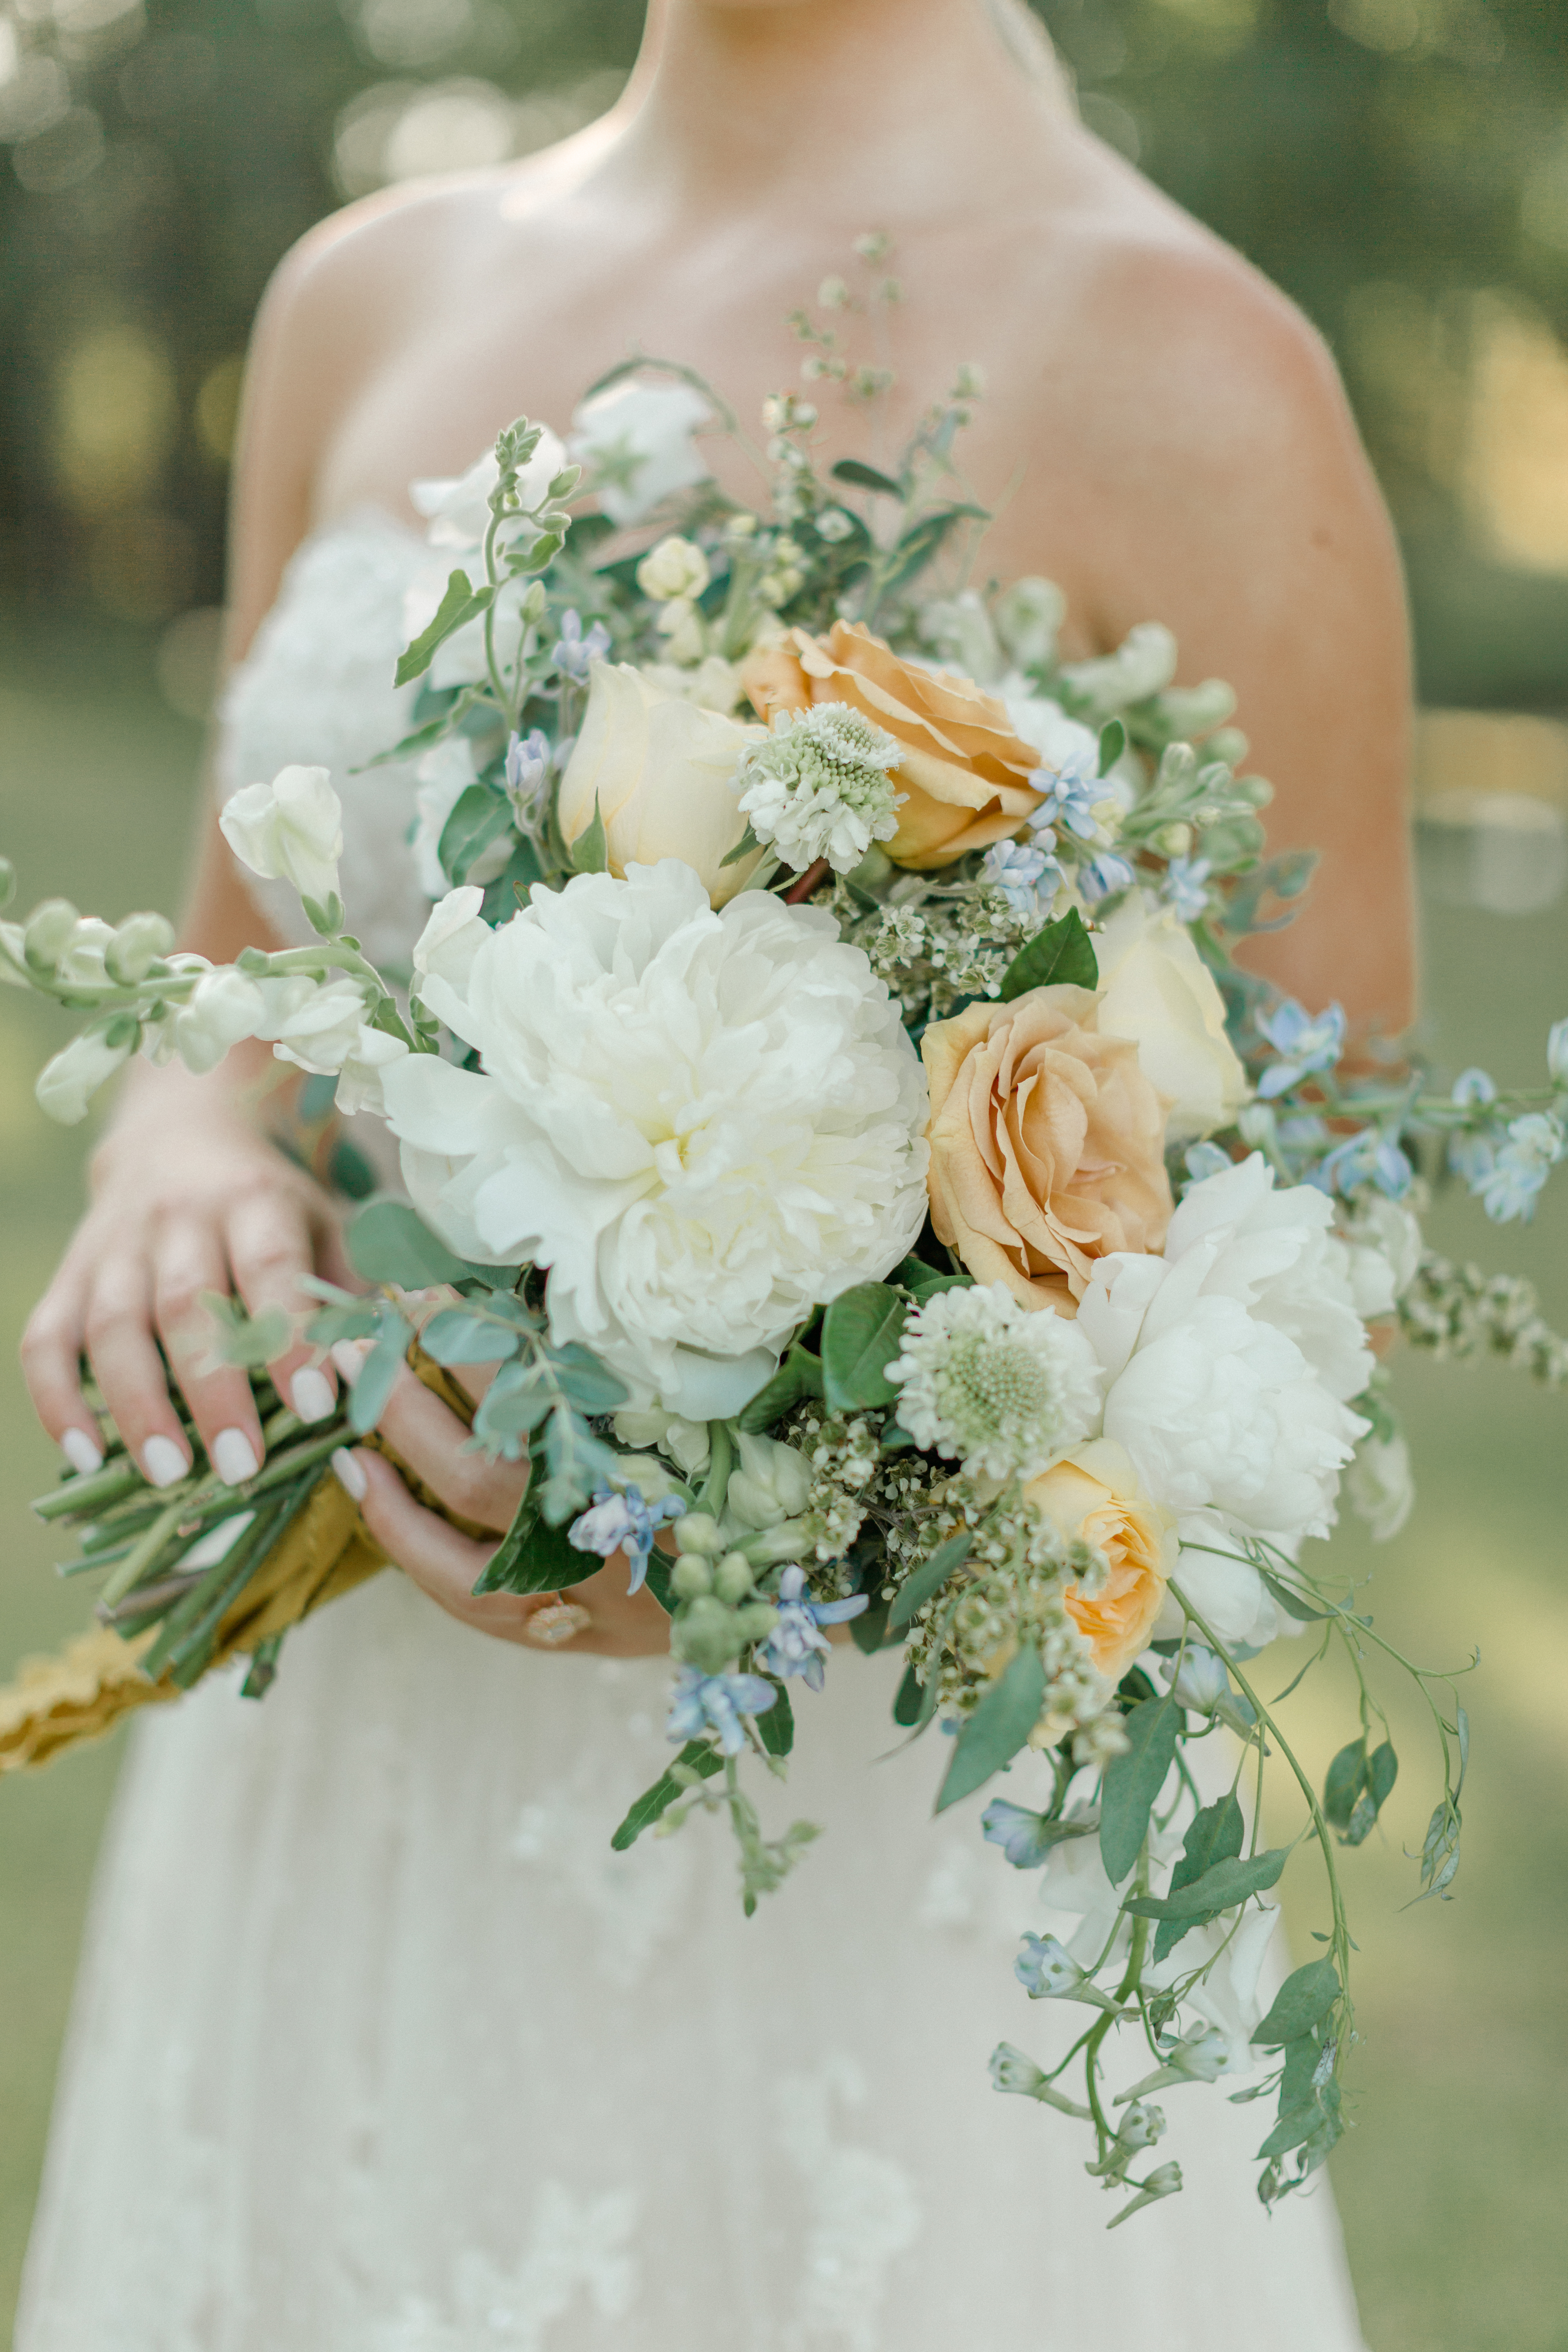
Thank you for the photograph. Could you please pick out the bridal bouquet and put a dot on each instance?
(827, 1095)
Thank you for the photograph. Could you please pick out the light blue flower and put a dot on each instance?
(573, 651)
(1206, 1159)
(703, 1703)
(624, 1522)
(796, 1644)
(1365, 1159)
(1071, 793)
(1026, 871)
(1185, 887)
(1473, 1086)
(1103, 876)
(526, 775)
(1024, 1837)
(1305, 1044)
(1510, 1187)
(1046, 1969)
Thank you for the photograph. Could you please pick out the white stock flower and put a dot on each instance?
(314, 1023)
(67, 1084)
(661, 771)
(290, 830)
(1001, 1388)
(636, 437)
(1228, 1360)
(702, 1124)
(1380, 1485)
(1156, 991)
(458, 506)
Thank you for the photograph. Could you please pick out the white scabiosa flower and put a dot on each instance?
(703, 1123)
(1001, 1388)
(820, 785)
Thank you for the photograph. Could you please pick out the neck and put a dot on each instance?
(906, 108)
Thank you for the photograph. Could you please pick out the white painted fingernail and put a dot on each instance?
(348, 1355)
(79, 1451)
(349, 1474)
(164, 1462)
(311, 1393)
(233, 1456)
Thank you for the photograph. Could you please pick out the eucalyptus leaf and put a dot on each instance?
(910, 1699)
(1293, 1603)
(862, 477)
(388, 1242)
(999, 1727)
(926, 1582)
(461, 604)
(377, 1376)
(698, 1756)
(591, 1386)
(457, 1337)
(1220, 1888)
(860, 1335)
(1215, 1835)
(1306, 1996)
(1132, 1781)
(1112, 743)
(478, 818)
(1063, 952)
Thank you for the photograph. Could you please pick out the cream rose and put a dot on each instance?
(1157, 991)
(1096, 1494)
(1046, 1144)
(963, 776)
(662, 771)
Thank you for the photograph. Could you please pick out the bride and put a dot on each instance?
(378, 2048)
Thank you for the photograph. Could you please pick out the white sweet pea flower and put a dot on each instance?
(1233, 1999)
(1157, 991)
(636, 437)
(225, 1006)
(317, 1028)
(290, 830)
(458, 506)
(703, 1124)
(67, 1084)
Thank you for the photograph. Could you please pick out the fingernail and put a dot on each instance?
(311, 1393)
(165, 1463)
(79, 1451)
(349, 1474)
(349, 1356)
(233, 1456)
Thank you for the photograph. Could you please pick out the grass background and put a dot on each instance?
(1449, 2186)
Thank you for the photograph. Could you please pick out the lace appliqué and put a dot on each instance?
(577, 2247)
(863, 2212)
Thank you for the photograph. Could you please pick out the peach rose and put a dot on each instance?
(966, 770)
(1097, 1494)
(1046, 1144)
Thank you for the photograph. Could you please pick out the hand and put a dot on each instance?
(446, 1564)
(189, 1201)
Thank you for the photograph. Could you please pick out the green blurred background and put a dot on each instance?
(1401, 167)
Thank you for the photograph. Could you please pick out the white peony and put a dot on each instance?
(1225, 1589)
(1228, 1360)
(701, 1123)
(1157, 991)
(452, 938)
(660, 771)
(636, 437)
(1381, 1487)
(290, 830)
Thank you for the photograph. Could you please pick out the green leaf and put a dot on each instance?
(996, 1730)
(461, 604)
(865, 478)
(699, 1757)
(1216, 1835)
(922, 542)
(244, 1340)
(589, 853)
(1305, 1996)
(1293, 1602)
(387, 1242)
(869, 1631)
(1298, 2124)
(1063, 952)
(533, 1557)
(591, 1386)
(1133, 1780)
(1343, 1782)
(776, 1725)
(423, 738)
(479, 816)
(1220, 1888)
(743, 848)
(915, 1700)
(927, 1580)
(378, 1375)
(922, 1281)
(1112, 743)
(457, 1337)
(799, 1376)
(861, 1334)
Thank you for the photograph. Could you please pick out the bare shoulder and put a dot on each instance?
(372, 265)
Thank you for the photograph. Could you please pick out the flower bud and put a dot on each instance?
(674, 569)
(1142, 2126)
(698, 1533)
(1200, 1682)
(140, 941)
(690, 1577)
(1173, 840)
(50, 929)
(732, 1578)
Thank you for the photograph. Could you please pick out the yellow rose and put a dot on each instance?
(1156, 991)
(662, 770)
(1097, 1494)
(1046, 1144)
(964, 773)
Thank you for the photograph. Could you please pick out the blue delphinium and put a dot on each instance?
(1103, 876)
(1024, 1836)
(572, 651)
(528, 760)
(796, 1644)
(1305, 1043)
(1026, 871)
(703, 1703)
(1365, 1159)
(1510, 1187)
(1185, 887)
(1071, 793)
(624, 1522)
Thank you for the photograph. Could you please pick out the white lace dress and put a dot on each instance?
(379, 2048)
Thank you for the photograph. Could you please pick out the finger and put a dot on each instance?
(118, 1328)
(51, 1362)
(442, 1562)
(188, 1268)
(430, 1438)
(270, 1245)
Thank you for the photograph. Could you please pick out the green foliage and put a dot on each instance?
(388, 1242)
(1214, 1835)
(926, 1582)
(996, 1730)
(1063, 952)
(861, 1333)
(1133, 1780)
(461, 604)
(1220, 1888)
(1357, 1787)
(798, 1377)
(697, 1756)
